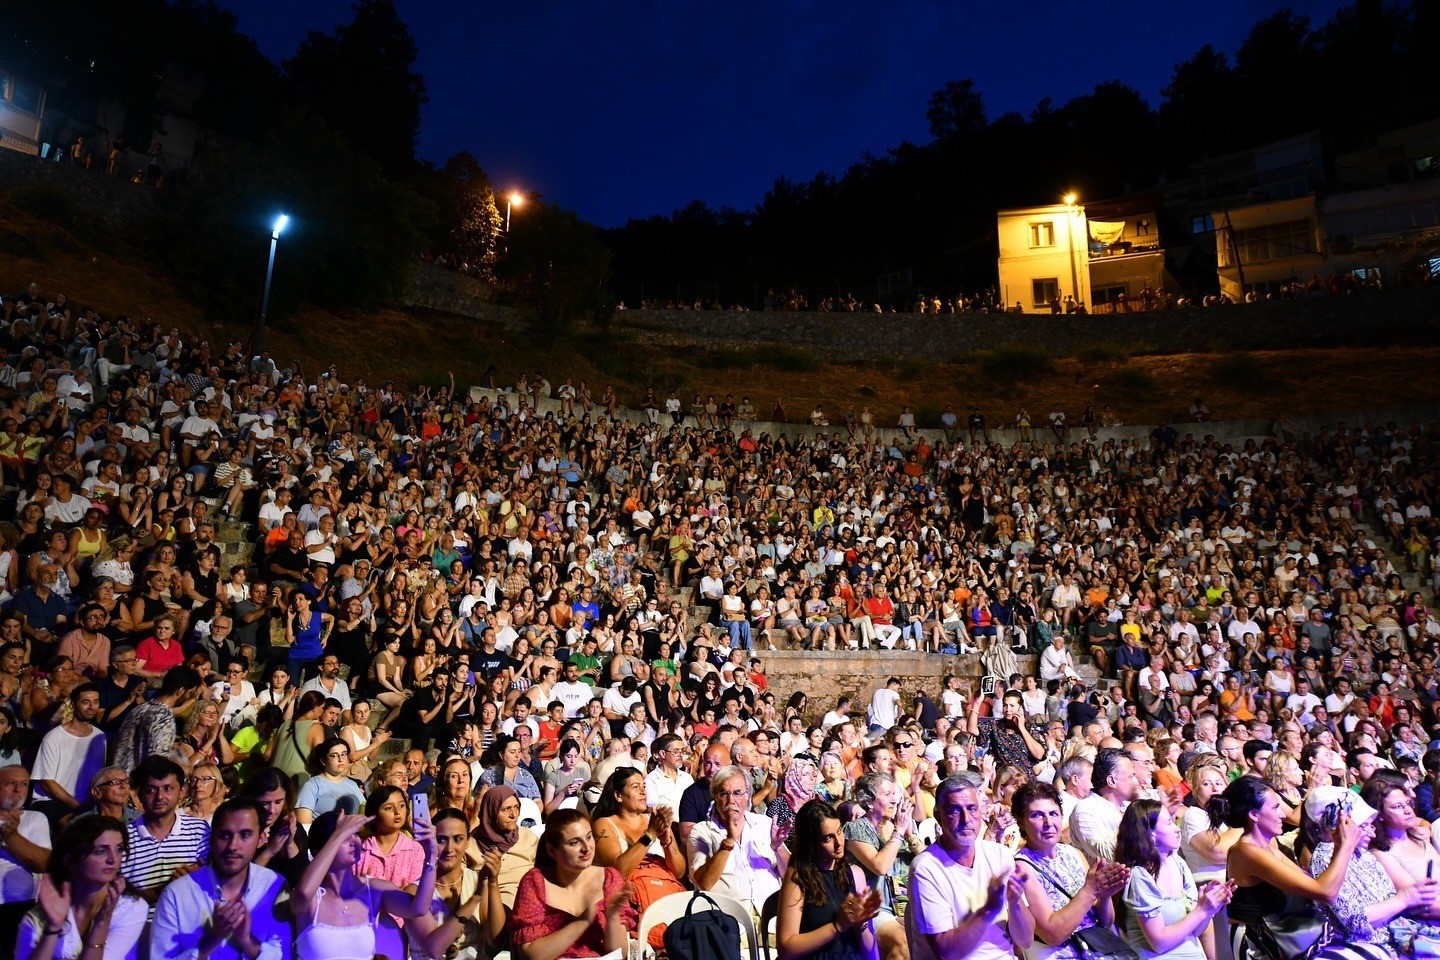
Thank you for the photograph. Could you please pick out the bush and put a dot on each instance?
(1129, 380)
(789, 359)
(779, 357)
(1102, 352)
(44, 201)
(1014, 362)
(1241, 371)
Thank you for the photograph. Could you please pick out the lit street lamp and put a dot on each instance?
(1069, 199)
(279, 227)
(515, 199)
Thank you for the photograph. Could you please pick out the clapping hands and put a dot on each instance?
(859, 907)
(1107, 878)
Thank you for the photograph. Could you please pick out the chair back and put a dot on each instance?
(670, 908)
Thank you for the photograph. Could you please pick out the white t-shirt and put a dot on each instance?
(954, 702)
(68, 760)
(943, 892)
(885, 708)
(574, 695)
(16, 883)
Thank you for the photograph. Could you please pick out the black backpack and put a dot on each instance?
(705, 935)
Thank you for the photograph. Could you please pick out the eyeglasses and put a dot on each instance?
(113, 782)
(203, 779)
(903, 744)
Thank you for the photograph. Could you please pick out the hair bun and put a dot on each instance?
(1218, 809)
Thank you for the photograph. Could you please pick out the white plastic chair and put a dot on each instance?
(531, 815)
(569, 803)
(672, 907)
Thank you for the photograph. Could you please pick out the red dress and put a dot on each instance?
(533, 918)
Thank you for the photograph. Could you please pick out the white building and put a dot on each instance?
(22, 107)
(1106, 255)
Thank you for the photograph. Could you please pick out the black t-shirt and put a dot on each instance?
(291, 559)
(694, 803)
(111, 696)
(1080, 713)
(489, 665)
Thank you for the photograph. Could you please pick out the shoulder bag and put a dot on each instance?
(1098, 942)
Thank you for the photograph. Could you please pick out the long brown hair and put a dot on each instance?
(805, 852)
(1135, 843)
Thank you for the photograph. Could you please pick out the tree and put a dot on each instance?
(354, 238)
(468, 219)
(363, 84)
(557, 267)
(956, 111)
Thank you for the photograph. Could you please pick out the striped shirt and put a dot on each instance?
(150, 864)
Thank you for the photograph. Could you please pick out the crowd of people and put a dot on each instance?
(488, 680)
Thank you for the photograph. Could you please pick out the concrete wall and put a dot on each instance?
(1229, 431)
(1402, 315)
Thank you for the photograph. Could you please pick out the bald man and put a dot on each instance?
(695, 801)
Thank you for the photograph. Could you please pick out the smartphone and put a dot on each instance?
(419, 808)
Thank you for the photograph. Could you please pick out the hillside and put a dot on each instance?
(423, 346)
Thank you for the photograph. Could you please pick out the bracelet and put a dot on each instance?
(54, 933)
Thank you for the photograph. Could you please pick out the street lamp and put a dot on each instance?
(1069, 199)
(275, 231)
(515, 199)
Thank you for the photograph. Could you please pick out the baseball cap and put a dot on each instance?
(1325, 804)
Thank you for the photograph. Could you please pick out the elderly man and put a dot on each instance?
(24, 850)
(1096, 819)
(965, 892)
(730, 851)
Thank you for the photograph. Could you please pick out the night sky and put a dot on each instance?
(625, 109)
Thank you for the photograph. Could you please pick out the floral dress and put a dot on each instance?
(1067, 866)
(1366, 884)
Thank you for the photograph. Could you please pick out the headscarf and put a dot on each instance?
(486, 834)
(797, 791)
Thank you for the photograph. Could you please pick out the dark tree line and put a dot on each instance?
(328, 136)
(930, 208)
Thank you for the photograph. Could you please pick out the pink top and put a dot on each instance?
(533, 918)
(401, 866)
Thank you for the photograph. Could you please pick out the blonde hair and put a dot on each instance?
(1206, 761)
(1283, 761)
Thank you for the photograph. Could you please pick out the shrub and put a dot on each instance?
(1241, 371)
(1103, 351)
(1130, 380)
(1015, 361)
(44, 201)
(790, 359)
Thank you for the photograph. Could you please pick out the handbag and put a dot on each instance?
(1293, 935)
(1097, 942)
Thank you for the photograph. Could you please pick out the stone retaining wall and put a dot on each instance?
(1409, 315)
(1230, 431)
(825, 676)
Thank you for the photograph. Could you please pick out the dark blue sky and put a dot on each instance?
(633, 107)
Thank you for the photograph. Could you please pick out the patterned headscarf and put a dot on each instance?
(801, 779)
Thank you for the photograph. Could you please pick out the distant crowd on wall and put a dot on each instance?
(1346, 283)
(1200, 678)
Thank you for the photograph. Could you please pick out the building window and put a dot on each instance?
(1202, 224)
(1042, 234)
(1045, 290)
(1272, 242)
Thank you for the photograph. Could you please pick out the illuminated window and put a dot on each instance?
(1042, 234)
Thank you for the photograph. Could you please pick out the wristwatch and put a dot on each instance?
(645, 840)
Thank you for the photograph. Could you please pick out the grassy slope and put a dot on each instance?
(412, 346)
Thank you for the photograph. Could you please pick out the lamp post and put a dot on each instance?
(514, 199)
(1069, 199)
(275, 231)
